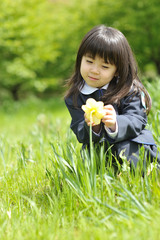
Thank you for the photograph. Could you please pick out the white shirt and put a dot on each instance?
(87, 90)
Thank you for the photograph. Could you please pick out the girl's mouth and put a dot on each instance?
(93, 78)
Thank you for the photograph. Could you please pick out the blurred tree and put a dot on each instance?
(26, 44)
(139, 21)
(40, 38)
(74, 21)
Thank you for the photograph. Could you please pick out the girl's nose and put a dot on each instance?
(95, 69)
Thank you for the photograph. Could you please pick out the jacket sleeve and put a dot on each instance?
(78, 124)
(132, 118)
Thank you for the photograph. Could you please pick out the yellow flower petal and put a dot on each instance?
(91, 102)
(96, 120)
(85, 108)
(88, 116)
(99, 114)
(94, 110)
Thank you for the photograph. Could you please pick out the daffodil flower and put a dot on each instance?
(94, 110)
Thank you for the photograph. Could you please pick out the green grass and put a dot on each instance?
(48, 192)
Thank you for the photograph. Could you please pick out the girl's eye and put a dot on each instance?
(105, 66)
(89, 61)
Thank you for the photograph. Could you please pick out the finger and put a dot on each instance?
(109, 119)
(109, 112)
(90, 123)
(109, 115)
(109, 124)
(109, 109)
(109, 106)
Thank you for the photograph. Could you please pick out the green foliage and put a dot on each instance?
(48, 190)
(40, 38)
(27, 44)
(139, 22)
(48, 194)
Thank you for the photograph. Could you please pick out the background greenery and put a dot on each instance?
(39, 39)
(46, 190)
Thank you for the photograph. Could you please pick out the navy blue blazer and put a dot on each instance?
(131, 119)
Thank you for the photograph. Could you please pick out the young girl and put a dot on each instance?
(106, 70)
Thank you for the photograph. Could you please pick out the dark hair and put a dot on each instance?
(110, 44)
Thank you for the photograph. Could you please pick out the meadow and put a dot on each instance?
(48, 192)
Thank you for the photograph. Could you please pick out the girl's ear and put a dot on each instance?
(116, 74)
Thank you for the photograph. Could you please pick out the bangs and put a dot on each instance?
(102, 48)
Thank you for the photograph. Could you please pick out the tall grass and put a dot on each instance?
(49, 189)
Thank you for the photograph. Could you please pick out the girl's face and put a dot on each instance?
(95, 71)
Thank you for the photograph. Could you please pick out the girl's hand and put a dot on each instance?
(95, 128)
(109, 119)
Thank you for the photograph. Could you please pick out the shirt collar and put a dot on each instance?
(86, 89)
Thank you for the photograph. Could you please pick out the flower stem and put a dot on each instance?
(90, 138)
(92, 160)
